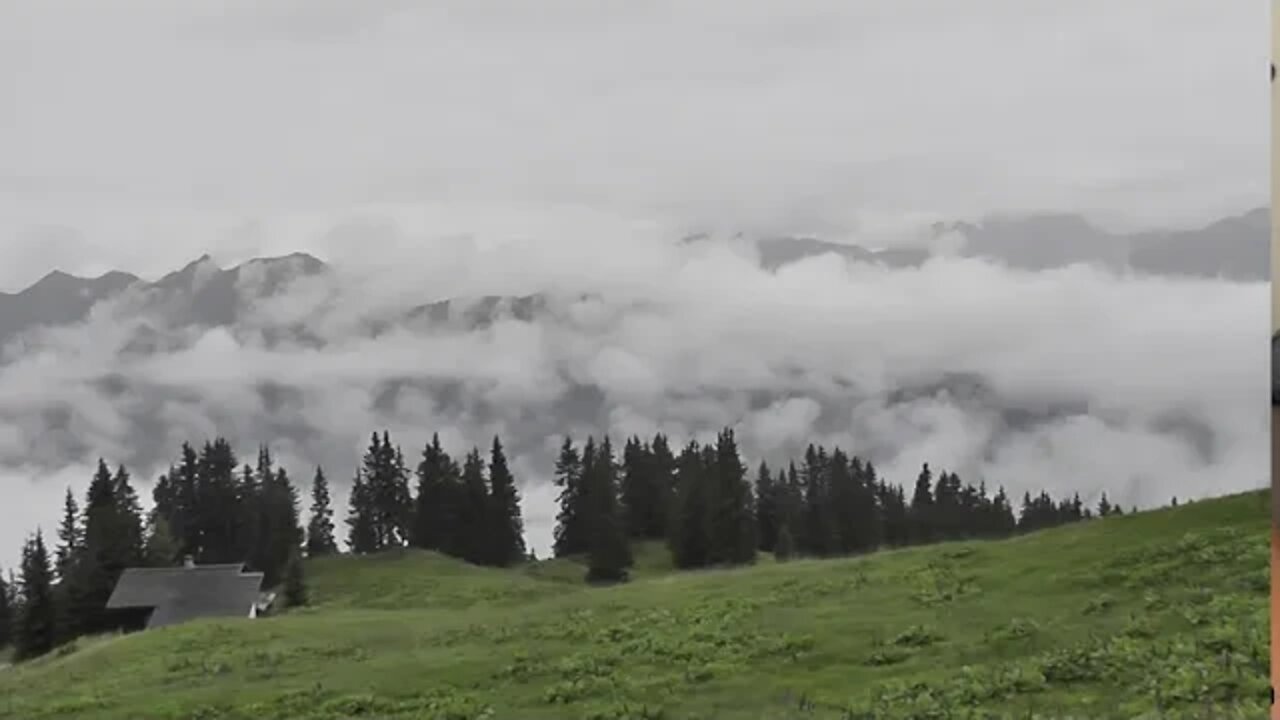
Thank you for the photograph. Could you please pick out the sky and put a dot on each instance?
(445, 149)
(142, 133)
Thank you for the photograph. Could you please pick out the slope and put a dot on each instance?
(1109, 618)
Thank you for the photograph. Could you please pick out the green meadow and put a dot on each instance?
(1160, 614)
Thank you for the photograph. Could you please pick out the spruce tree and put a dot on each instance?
(820, 536)
(185, 521)
(921, 510)
(475, 512)
(219, 510)
(662, 472)
(733, 519)
(767, 515)
(506, 536)
(435, 504)
(295, 584)
(6, 614)
(70, 537)
(635, 489)
(691, 536)
(570, 531)
(161, 547)
(320, 540)
(609, 555)
(36, 630)
(284, 535)
(361, 536)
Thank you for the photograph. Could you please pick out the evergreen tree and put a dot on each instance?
(435, 505)
(506, 536)
(295, 585)
(218, 515)
(570, 533)
(820, 536)
(387, 478)
(36, 630)
(921, 511)
(362, 538)
(320, 540)
(609, 555)
(248, 520)
(636, 489)
(283, 535)
(767, 508)
(475, 513)
(161, 547)
(1104, 506)
(733, 520)
(691, 536)
(184, 523)
(6, 614)
(662, 477)
(70, 537)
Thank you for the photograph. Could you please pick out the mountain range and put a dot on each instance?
(115, 401)
(1234, 248)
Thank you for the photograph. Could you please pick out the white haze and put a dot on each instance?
(682, 336)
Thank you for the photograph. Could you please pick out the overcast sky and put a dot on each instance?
(509, 147)
(139, 134)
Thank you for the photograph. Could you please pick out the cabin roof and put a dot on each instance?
(180, 594)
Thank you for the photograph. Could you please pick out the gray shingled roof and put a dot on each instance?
(186, 593)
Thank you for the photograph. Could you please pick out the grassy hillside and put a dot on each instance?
(1160, 614)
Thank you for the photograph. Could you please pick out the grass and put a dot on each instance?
(1155, 615)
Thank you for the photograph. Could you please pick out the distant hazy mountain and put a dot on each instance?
(175, 311)
(1235, 248)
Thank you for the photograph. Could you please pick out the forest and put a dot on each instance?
(701, 500)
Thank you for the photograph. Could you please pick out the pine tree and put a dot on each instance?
(691, 537)
(184, 523)
(6, 614)
(70, 537)
(435, 505)
(767, 515)
(320, 540)
(820, 536)
(733, 520)
(284, 535)
(388, 486)
(921, 510)
(662, 472)
(1104, 506)
(361, 536)
(217, 518)
(635, 489)
(36, 630)
(295, 585)
(570, 533)
(248, 518)
(161, 547)
(475, 513)
(609, 555)
(506, 536)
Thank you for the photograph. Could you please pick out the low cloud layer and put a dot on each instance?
(1066, 380)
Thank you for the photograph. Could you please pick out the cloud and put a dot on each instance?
(158, 131)
(1067, 380)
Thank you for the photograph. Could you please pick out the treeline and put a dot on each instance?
(700, 500)
(702, 503)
